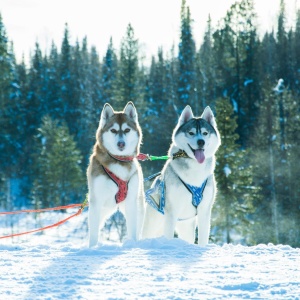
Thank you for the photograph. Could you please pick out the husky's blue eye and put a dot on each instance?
(191, 133)
(113, 131)
(127, 130)
(205, 133)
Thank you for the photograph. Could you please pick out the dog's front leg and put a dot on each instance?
(169, 226)
(204, 216)
(186, 230)
(94, 222)
(204, 212)
(132, 213)
(141, 213)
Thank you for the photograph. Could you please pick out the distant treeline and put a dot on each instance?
(49, 112)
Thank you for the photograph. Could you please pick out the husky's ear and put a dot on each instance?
(208, 116)
(186, 115)
(130, 111)
(107, 112)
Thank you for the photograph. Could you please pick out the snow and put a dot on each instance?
(227, 170)
(246, 82)
(235, 105)
(279, 87)
(59, 265)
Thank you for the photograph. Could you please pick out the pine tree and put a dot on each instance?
(282, 45)
(187, 92)
(296, 52)
(236, 46)
(59, 178)
(95, 78)
(82, 89)
(35, 105)
(8, 89)
(23, 167)
(109, 74)
(290, 233)
(55, 105)
(206, 88)
(234, 203)
(128, 76)
(266, 149)
(171, 84)
(267, 59)
(68, 96)
(150, 116)
(287, 188)
(161, 112)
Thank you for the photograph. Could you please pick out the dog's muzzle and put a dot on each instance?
(121, 145)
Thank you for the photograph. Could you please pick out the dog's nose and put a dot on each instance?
(121, 144)
(200, 143)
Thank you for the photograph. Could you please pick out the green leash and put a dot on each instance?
(178, 154)
(152, 157)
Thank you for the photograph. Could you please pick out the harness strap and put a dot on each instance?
(122, 185)
(158, 186)
(152, 176)
(197, 192)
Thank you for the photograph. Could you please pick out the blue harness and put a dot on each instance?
(196, 191)
(157, 190)
(155, 196)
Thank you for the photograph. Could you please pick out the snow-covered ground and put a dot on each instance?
(59, 265)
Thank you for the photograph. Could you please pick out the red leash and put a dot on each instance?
(39, 210)
(82, 206)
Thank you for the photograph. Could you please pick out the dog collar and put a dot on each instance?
(124, 158)
(180, 154)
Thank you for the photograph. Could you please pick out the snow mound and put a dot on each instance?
(149, 269)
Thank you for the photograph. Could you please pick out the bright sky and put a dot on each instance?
(156, 22)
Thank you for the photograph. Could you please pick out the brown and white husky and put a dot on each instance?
(115, 178)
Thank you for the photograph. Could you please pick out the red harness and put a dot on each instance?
(122, 184)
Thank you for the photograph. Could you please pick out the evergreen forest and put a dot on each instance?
(50, 109)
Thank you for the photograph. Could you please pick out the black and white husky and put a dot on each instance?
(114, 175)
(183, 196)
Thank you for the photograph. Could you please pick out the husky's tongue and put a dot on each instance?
(199, 155)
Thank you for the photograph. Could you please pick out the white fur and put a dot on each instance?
(178, 204)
